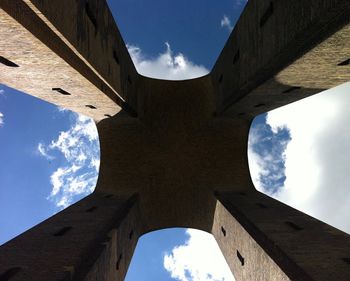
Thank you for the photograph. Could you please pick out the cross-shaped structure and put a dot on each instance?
(174, 153)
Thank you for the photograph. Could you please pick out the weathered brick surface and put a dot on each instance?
(42, 38)
(278, 242)
(188, 142)
(299, 45)
(83, 242)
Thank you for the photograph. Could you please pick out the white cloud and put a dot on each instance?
(257, 165)
(166, 65)
(56, 180)
(199, 259)
(226, 22)
(61, 109)
(42, 151)
(95, 163)
(229, 22)
(2, 93)
(317, 157)
(80, 149)
(266, 156)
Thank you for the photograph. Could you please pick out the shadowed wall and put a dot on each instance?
(174, 154)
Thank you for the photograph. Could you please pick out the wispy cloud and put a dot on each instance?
(316, 158)
(226, 23)
(42, 151)
(166, 65)
(2, 93)
(266, 155)
(80, 150)
(229, 22)
(199, 259)
(61, 109)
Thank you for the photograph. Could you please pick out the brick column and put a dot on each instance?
(263, 239)
(93, 239)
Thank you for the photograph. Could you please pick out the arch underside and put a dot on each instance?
(174, 154)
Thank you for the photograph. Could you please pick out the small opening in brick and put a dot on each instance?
(223, 230)
(259, 105)
(131, 234)
(129, 80)
(347, 260)
(115, 56)
(108, 196)
(61, 91)
(62, 231)
(293, 225)
(90, 14)
(240, 257)
(268, 13)
(7, 62)
(90, 210)
(236, 57)
(8, 274)
(262, 206)
(346, 62)
(90, 106)
(118, 261)
(291, 89)
(108, 115)
(221, 78)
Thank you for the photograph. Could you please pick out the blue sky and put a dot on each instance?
(190, 27)
(310, 150)
(50, 157)
(36, 147)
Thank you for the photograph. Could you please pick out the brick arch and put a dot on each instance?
(182, 161)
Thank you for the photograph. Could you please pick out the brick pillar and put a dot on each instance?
(93, 239)
(263, 239)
